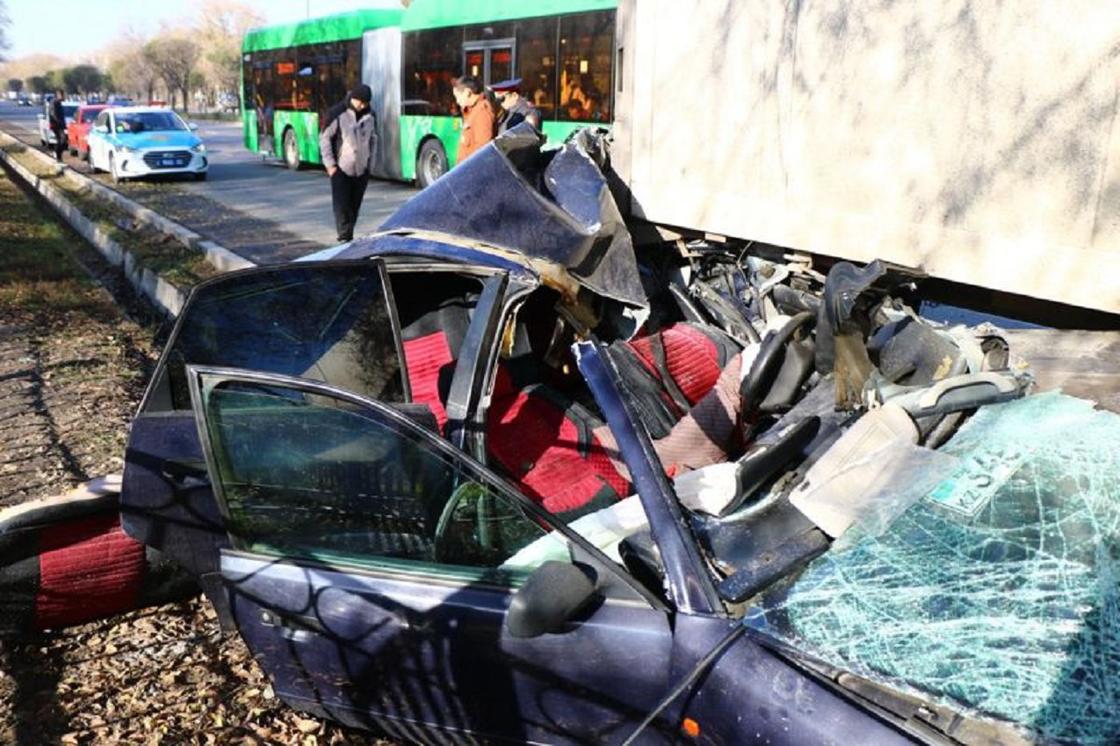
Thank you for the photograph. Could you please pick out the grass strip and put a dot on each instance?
(163, 254)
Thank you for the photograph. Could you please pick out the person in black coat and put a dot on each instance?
(57, 122)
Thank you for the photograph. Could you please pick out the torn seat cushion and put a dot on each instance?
(546, 443)
(66, 565)
(670, 371)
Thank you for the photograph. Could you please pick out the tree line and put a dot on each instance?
(191, 63)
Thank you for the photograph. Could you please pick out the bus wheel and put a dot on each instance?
(431, 163)
(291, 150)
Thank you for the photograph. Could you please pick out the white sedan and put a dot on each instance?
(144, 141)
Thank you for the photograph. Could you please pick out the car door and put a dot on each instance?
(96, 140)
(371, 567)
(329, 321)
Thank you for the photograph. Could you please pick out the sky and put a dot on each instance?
(70, 28)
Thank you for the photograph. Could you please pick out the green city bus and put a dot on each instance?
(293, 73)
(563, 50)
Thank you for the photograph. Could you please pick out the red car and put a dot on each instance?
(77, 129)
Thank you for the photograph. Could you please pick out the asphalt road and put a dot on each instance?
(269, 213)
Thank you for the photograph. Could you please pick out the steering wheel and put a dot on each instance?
(445, 549)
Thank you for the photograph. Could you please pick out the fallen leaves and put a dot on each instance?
(172, 678)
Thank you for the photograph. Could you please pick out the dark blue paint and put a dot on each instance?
(690, 586)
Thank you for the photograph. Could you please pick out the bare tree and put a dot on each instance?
(221, 26)
(174, 58)
(129, 68)
(83, 79)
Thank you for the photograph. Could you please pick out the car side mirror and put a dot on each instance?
(552, 595)
(192, 126)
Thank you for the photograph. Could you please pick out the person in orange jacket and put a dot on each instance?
(479, 120)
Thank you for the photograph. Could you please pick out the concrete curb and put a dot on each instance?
(166, 296)
(222, 258)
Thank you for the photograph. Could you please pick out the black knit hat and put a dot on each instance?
(362, 93)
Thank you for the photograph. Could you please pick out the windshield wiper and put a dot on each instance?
(923, 720)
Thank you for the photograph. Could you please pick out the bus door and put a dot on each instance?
(490, 61)
(261, 101)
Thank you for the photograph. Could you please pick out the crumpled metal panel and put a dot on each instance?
(553, 205)
(998, 589)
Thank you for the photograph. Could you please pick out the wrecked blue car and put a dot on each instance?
(493, 474)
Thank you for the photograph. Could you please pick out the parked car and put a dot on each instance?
(130, 142)
(23, 101)
(46, 134)
(77, 131)
(400, 469)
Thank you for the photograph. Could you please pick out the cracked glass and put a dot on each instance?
(996, 591)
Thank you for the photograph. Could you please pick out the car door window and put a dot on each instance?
(333, 323)
(102, 121)
(305, 472)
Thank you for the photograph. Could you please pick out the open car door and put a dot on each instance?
(385, 578)
(328, 321)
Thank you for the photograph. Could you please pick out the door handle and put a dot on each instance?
(294, 627)
(180, 470)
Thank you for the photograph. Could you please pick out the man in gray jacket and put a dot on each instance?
(348, 146)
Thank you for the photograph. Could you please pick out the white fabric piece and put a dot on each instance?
(709, 489)
(836, 489)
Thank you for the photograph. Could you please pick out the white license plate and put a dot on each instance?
(169, 163)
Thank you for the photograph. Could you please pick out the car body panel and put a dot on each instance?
(77, 130)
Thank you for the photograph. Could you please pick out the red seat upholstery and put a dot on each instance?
(427, 357)
(547, 444)
(669, 371)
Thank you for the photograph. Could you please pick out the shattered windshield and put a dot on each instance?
(997, 590)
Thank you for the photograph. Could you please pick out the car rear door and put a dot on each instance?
(330, 321)
(371, 565)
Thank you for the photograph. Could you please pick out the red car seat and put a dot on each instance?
(668, 372)
(545, 441)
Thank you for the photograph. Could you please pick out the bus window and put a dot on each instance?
(431, 62)
(501, 64)
(336, 72)
(536, 63)
(295, 79)
(586, 41)
(474, 63)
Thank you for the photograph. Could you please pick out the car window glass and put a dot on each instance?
(329, 324)
(309, 475)
(149, 121)
(102, 120)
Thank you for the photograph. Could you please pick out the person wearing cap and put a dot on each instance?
(515, 108)
(479, 121)
(348, 147)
